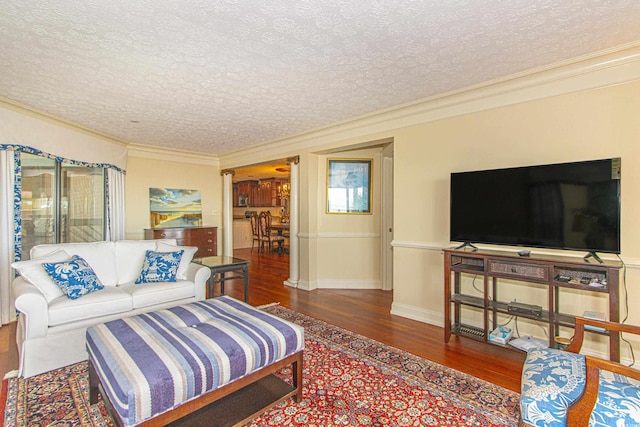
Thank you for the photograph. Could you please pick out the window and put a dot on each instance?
(61, 202)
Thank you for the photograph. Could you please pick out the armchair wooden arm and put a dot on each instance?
(580, 412)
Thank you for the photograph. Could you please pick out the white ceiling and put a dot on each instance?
(220, 75)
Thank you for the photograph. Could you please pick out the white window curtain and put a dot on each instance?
(115, 205)
(10, 247)
(7, 234)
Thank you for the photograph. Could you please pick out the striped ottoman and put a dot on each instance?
(147, 366)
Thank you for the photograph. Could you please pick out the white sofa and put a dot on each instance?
(51, 326)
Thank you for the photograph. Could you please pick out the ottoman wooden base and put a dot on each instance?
(231, 405)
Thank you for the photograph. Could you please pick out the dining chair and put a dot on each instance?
(266, 237)
(255, 230)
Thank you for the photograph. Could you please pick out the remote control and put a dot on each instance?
(563, 278)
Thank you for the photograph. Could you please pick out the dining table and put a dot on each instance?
(282, 228)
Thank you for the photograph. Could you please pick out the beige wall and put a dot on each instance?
(148, 170)
(593, 124)
(348, 245)
(580, 111)
(579, 126)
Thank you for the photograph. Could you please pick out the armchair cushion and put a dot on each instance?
(551, 381)
(618, 399)
(75, 277)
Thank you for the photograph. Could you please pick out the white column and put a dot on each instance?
(294, 221)
(227, 212)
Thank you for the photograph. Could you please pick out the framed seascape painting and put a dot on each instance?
(171, 208)
(349, 186)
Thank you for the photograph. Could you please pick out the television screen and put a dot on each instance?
(560, 206)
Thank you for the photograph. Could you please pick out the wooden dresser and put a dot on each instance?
(205, 238)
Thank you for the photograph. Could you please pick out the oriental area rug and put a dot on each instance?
(348, 380)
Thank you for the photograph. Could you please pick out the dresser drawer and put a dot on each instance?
(525, 271)
(169, 233)
(204, 238)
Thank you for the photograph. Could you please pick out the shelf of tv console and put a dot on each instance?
(540, 270)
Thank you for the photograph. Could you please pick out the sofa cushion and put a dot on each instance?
(187, 256)
(33, 272)
(160, 267)
(110, 300)
(130, 257)
(148, 294)
(75, 277)
(99, 255)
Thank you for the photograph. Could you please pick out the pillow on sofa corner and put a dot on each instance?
(187, 256)
(33, 272)
(75, 277)
(159, 267)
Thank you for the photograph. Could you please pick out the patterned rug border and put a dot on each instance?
(466, 391)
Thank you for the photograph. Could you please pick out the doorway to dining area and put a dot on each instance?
(261, 201)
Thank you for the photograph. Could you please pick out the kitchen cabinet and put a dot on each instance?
(265, 192)
(244, 193)
(269, 192)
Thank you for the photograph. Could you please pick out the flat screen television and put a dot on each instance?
(574, 206)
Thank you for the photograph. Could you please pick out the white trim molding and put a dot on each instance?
(339, 284)
(417, 313)
(632, 263)
(339, 236)
(172, 155)
(605, 68)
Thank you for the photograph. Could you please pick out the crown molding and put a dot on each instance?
(171, 155)
(601, 69)
(31, 112)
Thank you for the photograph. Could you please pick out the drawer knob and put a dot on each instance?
(209, 240)
(209, 250)
(163, 235)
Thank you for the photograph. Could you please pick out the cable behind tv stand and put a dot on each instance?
(550, 275)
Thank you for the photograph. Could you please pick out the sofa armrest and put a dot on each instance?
(33, 306)
(199, 274)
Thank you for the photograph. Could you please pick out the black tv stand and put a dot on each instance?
(466, 244)
(594, 256)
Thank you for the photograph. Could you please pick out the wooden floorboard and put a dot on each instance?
(366, 312)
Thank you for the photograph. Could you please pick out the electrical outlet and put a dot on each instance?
(214, 212)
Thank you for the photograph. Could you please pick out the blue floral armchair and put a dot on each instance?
(565, 388)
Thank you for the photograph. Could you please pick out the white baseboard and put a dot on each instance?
(339, 284)
(417, 313)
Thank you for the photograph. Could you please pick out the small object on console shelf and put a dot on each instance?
(525, 309)
(528, 343)
(501, 335)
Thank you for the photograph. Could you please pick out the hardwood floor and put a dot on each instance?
(365, 312)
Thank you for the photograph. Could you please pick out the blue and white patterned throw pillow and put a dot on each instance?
(75, 277)
(160, 267)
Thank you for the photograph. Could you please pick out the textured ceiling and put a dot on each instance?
(217, 76)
